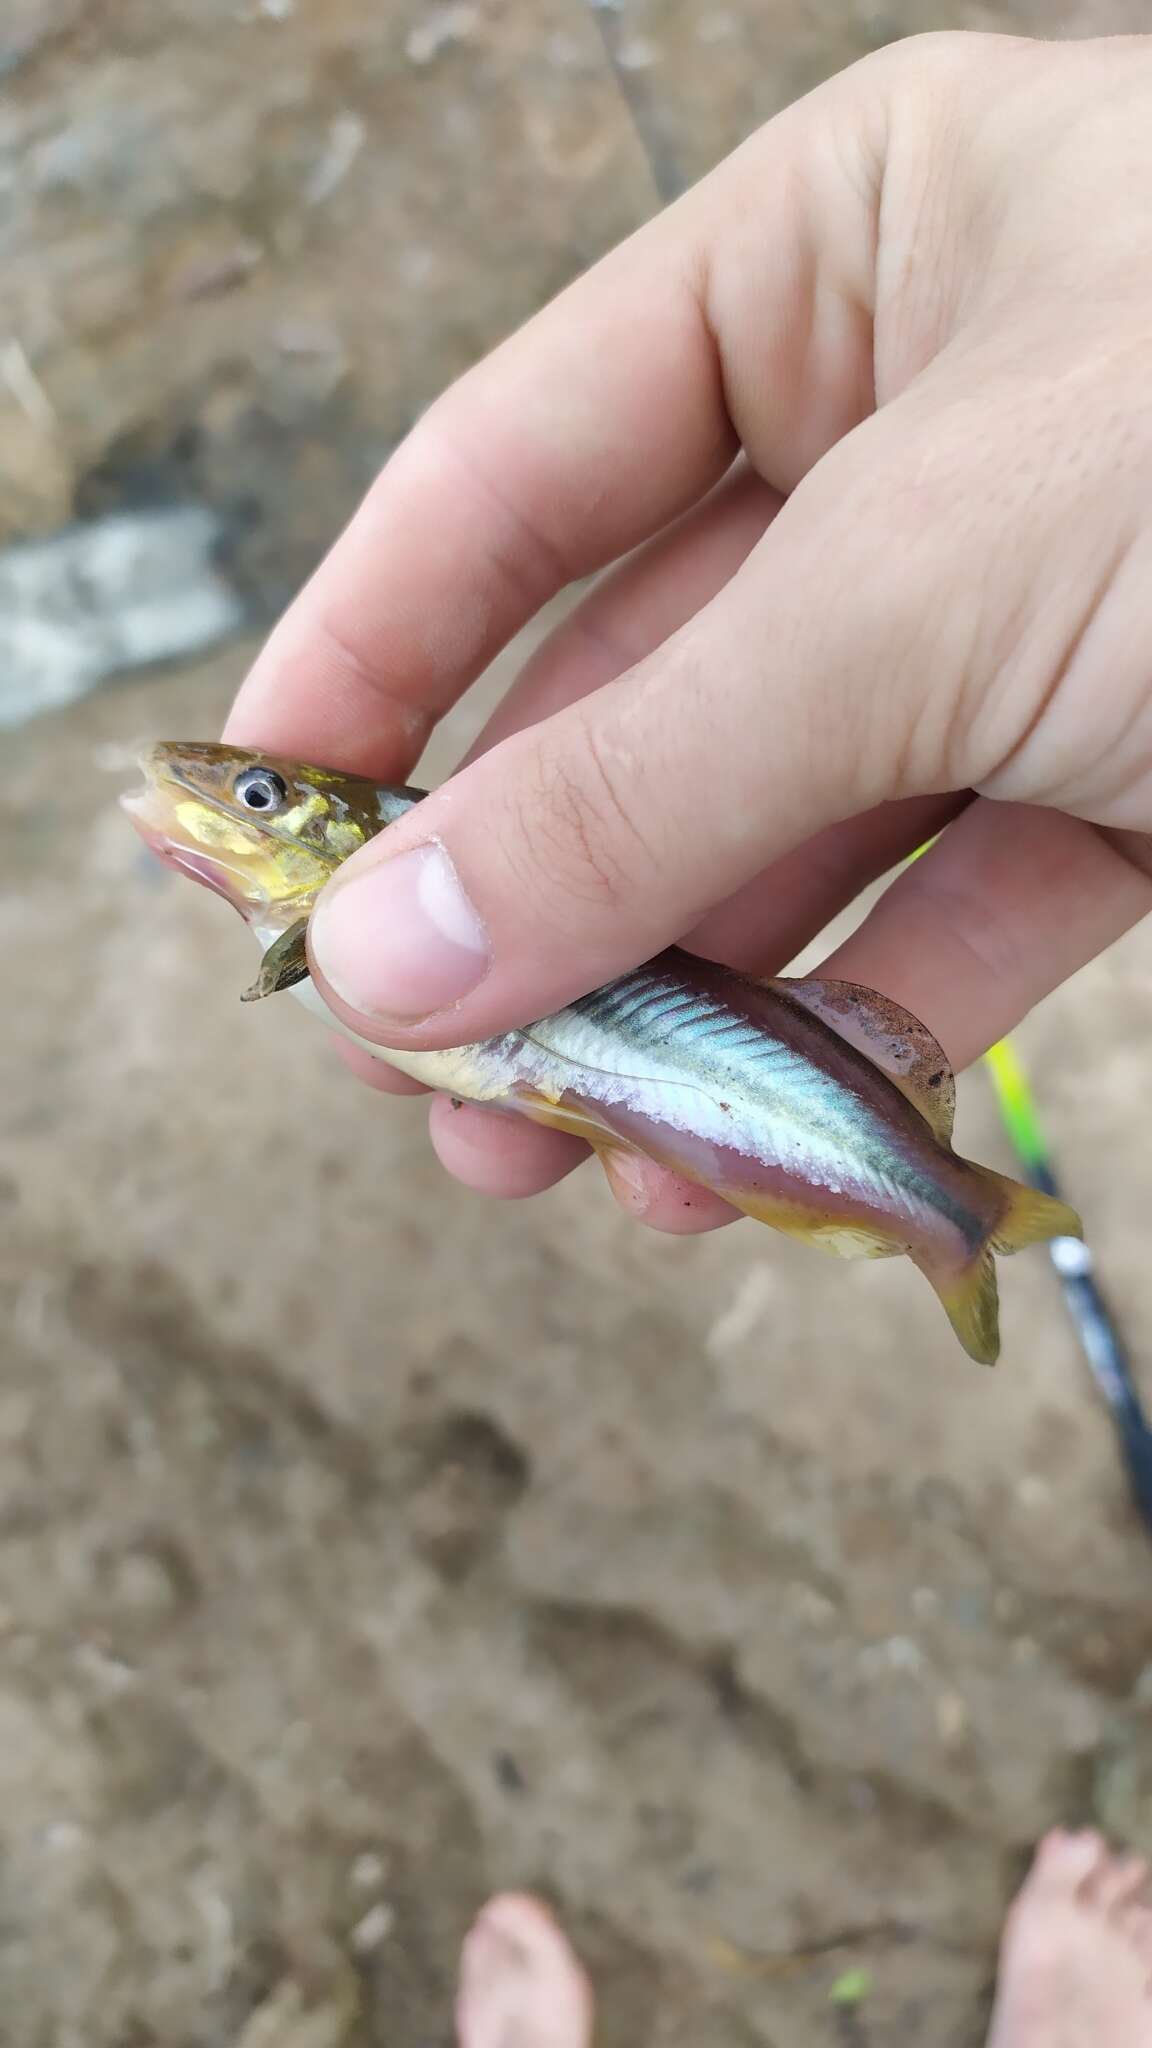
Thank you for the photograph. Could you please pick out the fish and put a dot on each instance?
(818, 1107)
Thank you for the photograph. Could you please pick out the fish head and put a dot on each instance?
(263, 832)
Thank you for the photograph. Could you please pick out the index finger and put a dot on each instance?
(741, 314)
(549, 459)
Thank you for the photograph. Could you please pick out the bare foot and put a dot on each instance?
(1076, 1956)
(520, 1984)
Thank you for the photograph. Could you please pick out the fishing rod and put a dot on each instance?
(1096, 1327)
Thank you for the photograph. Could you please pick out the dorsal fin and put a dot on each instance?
(891, 1037)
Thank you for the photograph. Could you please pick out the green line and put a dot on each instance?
(1017, 1106)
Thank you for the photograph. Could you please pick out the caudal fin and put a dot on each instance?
(971, 1301)
(970, 1297)
(1027, 1216)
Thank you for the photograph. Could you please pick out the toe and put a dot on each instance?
(1076, 1958)
(1066, 1862)
(525, 1926)
(520, 1981)
(1134, 1918)
(1116, 1880)
(490, 1966)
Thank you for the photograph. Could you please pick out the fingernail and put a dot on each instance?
(401, 941)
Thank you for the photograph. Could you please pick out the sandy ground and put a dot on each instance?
(364, 1546)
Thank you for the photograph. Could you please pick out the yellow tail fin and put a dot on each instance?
(1027, 1216)
(970, 1297)
(971, 1302)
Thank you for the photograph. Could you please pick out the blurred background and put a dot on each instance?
(364, 1547)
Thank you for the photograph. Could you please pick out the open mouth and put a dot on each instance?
(210, 873)
(150, 811)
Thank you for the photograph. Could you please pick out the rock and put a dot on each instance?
(107, 596)
(318, 238)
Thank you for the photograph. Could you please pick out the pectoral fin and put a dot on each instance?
(284, 964)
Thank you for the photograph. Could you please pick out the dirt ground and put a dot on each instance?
(364, 1547)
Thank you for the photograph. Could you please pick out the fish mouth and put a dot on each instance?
(150, 810)
(145, 806)
(147, 809)
(211, 874)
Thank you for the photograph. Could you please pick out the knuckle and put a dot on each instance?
(946, 621)
(351, 666)
(573, 828)
(944, 57)
(522, 549)
(978, 927)
(890, 651)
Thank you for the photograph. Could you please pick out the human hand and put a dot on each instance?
(869, 413)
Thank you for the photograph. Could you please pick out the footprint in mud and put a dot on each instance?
(467, 1474)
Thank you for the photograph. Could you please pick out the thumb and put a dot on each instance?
(590, 841)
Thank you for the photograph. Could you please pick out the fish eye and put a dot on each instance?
(260, 789)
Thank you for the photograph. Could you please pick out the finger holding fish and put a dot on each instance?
(1009, 902)
(495, 1153)
(954, 594)
(628, 613)
(817, 1106)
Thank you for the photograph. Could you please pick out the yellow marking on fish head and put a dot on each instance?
(264, 833)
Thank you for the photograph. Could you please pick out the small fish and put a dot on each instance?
(818, 1107)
